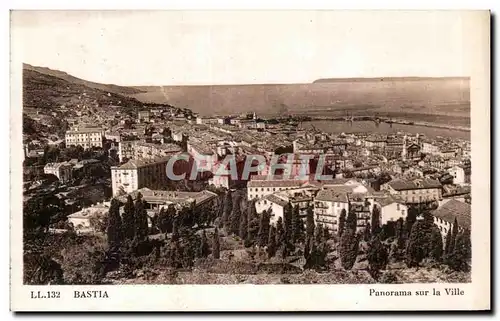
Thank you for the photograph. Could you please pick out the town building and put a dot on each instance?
(415, 191)
(458, 174)
(86, 137)
(392, 208)
(155, 200)
(260, 186)
(63, 171)
(139, 173)
(82, 220)
(143, 116)
(328, 205)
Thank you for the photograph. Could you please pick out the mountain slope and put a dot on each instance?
(69, 78)
(41, 90)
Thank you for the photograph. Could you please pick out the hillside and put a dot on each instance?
(42, 90)
(62, 75)
(440, 96)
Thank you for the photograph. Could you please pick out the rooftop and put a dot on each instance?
(424, 183)
(455, 209)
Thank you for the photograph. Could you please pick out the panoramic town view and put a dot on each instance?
(336, 181)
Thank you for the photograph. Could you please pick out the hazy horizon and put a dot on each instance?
(198, 48)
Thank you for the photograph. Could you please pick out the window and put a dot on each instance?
(397, 206)
(338, 204)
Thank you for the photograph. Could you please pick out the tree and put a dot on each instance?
(287, 220)
(264, 228)
(47, 271)
(348, 248)
(140, 218)
(243, 228)
(436, 244)
(454, 234)
(227, 209)
(129, 219)
(375, 221)
(351, 221)
(216, 244)
(204, 248)
(326, 234)
(400, 233)
(297, 225)
(271, 245)
(377, 257)
(318, 233)
(418, 244)
(252, 223)
(367, 232)
(447, 247)
(114, 226)
(342, 220)
(235, 215)
(310, 223)
(410, 219)
(459, 259)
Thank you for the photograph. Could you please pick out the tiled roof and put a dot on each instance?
(333, 195)
(455, 209)
(425, 183)
(142, 162)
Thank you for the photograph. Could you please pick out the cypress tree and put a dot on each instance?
(400, 233)
(348, 248)
(326, 234)
(454, 234)
(271, 246)
(310, 223)
(410, 219)
(226, 210)
(204, 248)
(342, 219)
(447, 246)
(318, 233)
(141, 219)
(367, 232)
(418, 244)
(375, 221)
(235, 215)
(297, 226)
(114, 228)
(129, 219)
(287, 220)
(175, 228)
(243, 228)
(264, 228)
(252, 222)
(377, 257)
(351, 221)
(436, 244)
(216, 244)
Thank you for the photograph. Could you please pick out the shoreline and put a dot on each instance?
(392, 121)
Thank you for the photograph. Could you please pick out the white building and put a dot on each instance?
(81, 220)
(139, 173)
(428, 148)
(391, 209)
(259, 187)
(63, 171)
(458, 174)
(85, 137)
(328, 205)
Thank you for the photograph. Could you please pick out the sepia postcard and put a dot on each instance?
(250, 160)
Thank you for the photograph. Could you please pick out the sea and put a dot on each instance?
(384, 128)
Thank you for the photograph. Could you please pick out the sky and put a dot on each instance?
(241, 47)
